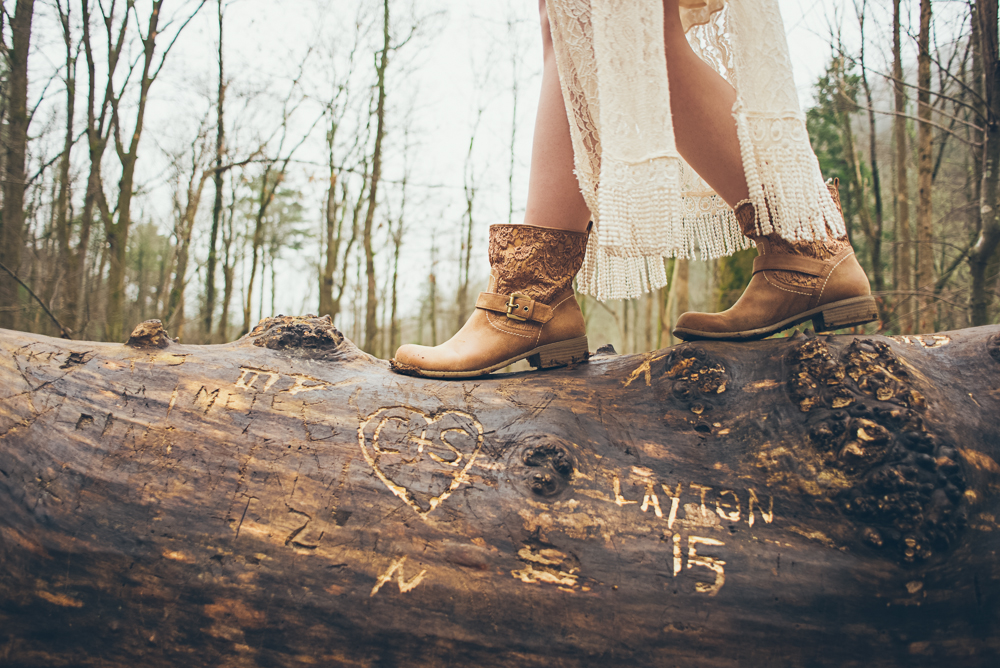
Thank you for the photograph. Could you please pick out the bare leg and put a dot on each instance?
(554, 198)
(701, 104)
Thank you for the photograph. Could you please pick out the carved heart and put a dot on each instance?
(421, 459)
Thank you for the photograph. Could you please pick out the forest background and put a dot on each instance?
(212, 162)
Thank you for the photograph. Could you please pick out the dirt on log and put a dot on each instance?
(286, 500)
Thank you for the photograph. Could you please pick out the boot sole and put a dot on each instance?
(826, 318)
(560, 353)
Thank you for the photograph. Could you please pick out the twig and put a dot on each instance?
(63, 331)
(940, 127)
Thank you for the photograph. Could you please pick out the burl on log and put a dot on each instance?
(287, 500)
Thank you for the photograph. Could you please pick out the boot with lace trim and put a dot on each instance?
(792, 282)
(529, 311)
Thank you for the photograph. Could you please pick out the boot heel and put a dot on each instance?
(560, 353)
(847, 313)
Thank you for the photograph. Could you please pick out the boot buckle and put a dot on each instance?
(513, 306)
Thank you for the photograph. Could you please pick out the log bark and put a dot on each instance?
(287, 500)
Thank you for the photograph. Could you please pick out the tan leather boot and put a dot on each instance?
(528, 311)
(792, 282)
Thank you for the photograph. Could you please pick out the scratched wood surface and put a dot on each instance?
(287, 500)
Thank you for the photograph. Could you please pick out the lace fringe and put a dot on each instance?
(786, 185)
(639, 206)
(610, 275)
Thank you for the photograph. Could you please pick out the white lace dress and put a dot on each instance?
(646, 202)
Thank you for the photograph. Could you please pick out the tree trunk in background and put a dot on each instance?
(465, 230)
(678, 295)
(118, 231)
(185, 228)
(371, 301)
(904, 254)
(355, 226)
(229, 261)
(64, 225)
(334, 213)
(806, 501)
(80, 300)
(983, 256)
(856, 186)
(732, 275)
(220, 150)
(925, 231)
(397, 245)
(432, 290)
(875, 238)
(257, 242)
(330, 243)
(15, 151)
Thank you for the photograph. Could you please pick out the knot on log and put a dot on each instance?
(870, 450)
(993, 346)
(697, 383)
(550, 462)
(149, 334)
(307, 332)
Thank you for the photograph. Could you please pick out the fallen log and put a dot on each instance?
(287, 500)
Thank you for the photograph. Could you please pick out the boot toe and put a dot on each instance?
(411, 354)
(697, 322)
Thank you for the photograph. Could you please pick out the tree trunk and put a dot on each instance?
(230, 257)
(184, 229)
(218, 177)
(465, 230)
(62, 208)
(331, 248)
(925, 231)
(371, 297)
(818, 501)
(903, 254)
(983, 254)
(15, 151)
(97, 142)
(875, 237)
(257, 242)
(118, 231)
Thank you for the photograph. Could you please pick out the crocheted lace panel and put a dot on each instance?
(535, 261)
(646, 202)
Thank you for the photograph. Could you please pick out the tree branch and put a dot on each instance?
(63, 331)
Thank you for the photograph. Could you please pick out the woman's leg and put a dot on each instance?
(528, 310)
(820, 281)
(701, 104)
(554, 198)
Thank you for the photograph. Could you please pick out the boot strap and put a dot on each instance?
(797, 263)
(515, 306)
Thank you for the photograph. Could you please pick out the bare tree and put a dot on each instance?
(983, 260)
(218, 177)
(118, 222)
(396, 238)
(15, 149)
(336, 205)
(62, 218)
(469, 189)
(275, 172)
(925, 231)
(876, 222)
(371, 309)
(231, 256)
(903, 252)
(186, 209)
